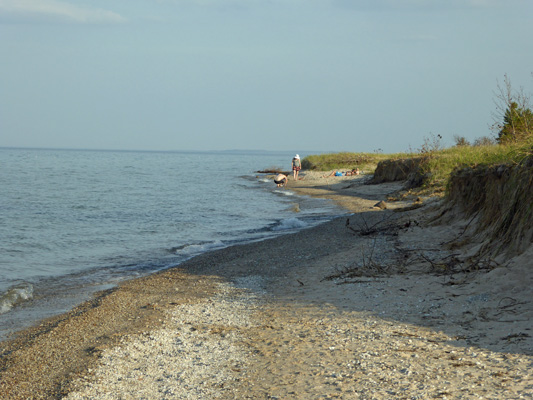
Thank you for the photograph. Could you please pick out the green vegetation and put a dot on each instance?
(441, 164)
(437, 162)
(513, 128)
(366, 162)
(517, 124)
(513, 118)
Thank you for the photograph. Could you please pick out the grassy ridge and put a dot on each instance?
(364, 161)
(439, 163)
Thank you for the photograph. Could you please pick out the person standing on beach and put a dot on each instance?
(296, 166)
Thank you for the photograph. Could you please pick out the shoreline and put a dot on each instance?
(38, 300)
(268, 319)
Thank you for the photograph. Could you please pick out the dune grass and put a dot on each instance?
(438, 163)
(441, 164)
(345, 160)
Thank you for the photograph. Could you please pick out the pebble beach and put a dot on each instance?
(323, 313)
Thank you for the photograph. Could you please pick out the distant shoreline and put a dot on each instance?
(288, 153)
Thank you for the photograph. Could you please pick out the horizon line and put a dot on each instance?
(166, 151)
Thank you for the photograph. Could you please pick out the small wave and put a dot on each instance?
(15, 295)
(178, 249)
(197, 248)
(295, 207)
(290, 223)
(284, 192)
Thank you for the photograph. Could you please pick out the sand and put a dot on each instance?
(327, 312)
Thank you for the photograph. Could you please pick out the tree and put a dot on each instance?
(517, 124)
(513, 117)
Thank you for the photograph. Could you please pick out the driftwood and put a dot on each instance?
(385, 226)
(366, 267)
(273, 171)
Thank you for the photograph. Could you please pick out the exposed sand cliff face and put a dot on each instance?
(499, 199)
(408, 170)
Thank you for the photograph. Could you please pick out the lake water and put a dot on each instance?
(73, 222)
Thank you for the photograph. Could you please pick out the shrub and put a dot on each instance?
(460, 141)
(484, 141)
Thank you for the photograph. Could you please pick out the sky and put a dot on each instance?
(302, 75)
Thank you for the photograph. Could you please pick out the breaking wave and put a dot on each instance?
(290, 223)
(189, 250)
(15, 295)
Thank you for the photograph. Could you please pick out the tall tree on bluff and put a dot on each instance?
(513, 117)
(517, 124)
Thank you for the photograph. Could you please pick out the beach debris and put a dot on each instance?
(435, 261)
(446, 265)
(381, 205)
(386, 225)
(273, 171)
(413, 206)
(519, 336)
(365, 266)
(508, 305)
(411, 223)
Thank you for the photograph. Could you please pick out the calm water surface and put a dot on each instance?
(73, 222)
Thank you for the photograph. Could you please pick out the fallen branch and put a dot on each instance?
(368, 267)
(364, 229)
(346, 281)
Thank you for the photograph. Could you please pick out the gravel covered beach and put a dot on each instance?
(323, 313)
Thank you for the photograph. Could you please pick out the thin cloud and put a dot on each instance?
(422, 4)
(55, 11)
(239, 3)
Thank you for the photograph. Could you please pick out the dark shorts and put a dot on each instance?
(279, 182)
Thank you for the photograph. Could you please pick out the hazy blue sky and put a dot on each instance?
(302, 75)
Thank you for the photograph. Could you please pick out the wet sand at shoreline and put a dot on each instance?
(284, 319)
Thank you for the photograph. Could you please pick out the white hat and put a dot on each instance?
(296, 156)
